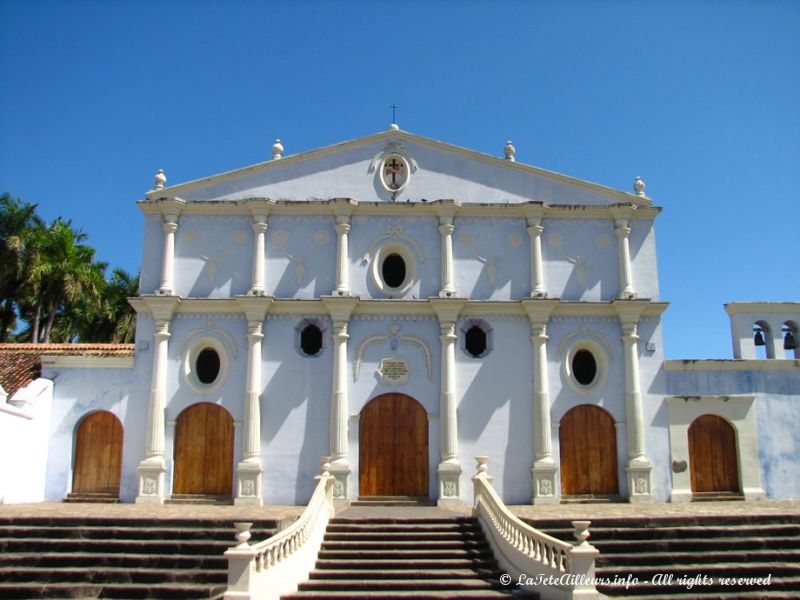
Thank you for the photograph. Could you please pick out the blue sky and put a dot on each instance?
(702, 99)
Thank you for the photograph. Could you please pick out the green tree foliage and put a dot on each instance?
(49, 279)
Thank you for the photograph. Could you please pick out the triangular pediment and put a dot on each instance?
(427, 170)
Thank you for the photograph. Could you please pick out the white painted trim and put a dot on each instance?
(88, 362)
(734, 308)
(394, 134)
(731, 364)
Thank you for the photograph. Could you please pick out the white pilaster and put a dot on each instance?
(153, 468)
(544, 468)
(171, 210)
(449, 469)
(622, 230)
(446, 211)
(340, 309)
(260, 210)
(343, 209)
(251, 468)
(535, 230)
(638, 468)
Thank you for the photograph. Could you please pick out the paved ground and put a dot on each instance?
(240, 513)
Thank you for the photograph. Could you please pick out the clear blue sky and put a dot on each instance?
(702, 99)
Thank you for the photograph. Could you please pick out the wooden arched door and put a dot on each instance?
(393, 447)
(712, 455)
(98, 455)
(204, 451)
(588, 440)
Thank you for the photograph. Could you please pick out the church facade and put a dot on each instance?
(402, 305)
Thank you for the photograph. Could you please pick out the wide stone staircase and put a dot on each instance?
(69, 557)
(391, 558)
(662, 557)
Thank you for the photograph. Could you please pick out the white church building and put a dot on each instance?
(403, 305)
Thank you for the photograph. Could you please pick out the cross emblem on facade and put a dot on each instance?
(394, 169)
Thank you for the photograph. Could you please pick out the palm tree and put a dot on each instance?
(114, 320)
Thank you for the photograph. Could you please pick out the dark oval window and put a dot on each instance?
(311, 340)
(475, 341)
(207, 366)
(393, 270)
(584, 367)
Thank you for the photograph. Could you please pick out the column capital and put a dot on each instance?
(447, 228)
(629, 311)
(339, 307)
(535, 230)
(170, 208)
(260, 208)
(343, 208)
(622, 214)
(162, 332)
(534, 213)
(255, 308)
(260, 224)
(255, 331)
(342, 228)
(447, 309)
(446, 209)
(622, 231)
(539, 309)
(161, 308)
(170, 224)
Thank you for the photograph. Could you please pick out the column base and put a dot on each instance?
(248, 485)
(640, 485)
(341, 473)
(152, 473)
(449, 484)
(544, 483)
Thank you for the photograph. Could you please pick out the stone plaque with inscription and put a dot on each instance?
(394, 371)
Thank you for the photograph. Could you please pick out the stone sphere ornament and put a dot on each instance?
(277, 150)
(510, 151)
(638, 186)
(160, 179)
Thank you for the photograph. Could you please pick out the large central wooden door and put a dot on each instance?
(98, 455)
(393, 447)
(712, 455)
(588, 441)
(204, 451)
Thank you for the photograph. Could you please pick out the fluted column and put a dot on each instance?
(153, 468)
(638, 467)
(260, 226)
(622, 231)
(535, 230)
(249, 471)
(342, 253)
(168, 259)
(449, 470)
(544, 467)
(340, 309)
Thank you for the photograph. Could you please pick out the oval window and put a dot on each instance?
(393, 270)
(207, 366)
(584, 367)
(311, 340)
(475, 341)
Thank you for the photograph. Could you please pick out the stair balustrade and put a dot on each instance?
(533, 559)
(268, 569)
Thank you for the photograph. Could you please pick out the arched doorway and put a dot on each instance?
(712, 455)
(204, 451)
(588, 441)
(393, 447)
(98, 455)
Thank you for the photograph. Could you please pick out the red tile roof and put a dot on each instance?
(22, 363)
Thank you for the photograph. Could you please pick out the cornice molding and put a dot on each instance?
(88, 362)
(734, 308)
(731, 364)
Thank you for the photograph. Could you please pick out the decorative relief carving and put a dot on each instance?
(545, 487)
(248, 488)
(640, 485)
(338, 489)
(281, 238)
(450, 489)
(393, 231)
(149, 486)
(393, 338)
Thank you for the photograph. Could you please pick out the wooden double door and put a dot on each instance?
(393, 447)
(204, 451)
(98, 455)
(713, 461)
(588, 441)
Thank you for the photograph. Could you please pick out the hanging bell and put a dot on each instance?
(758, 338)
(789, 343)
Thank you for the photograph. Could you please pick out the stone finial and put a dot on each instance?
(581, 532)
(394, 127)
(638, 186)
(510, 151)
(482, 463)
(242, 533)
(160, 179)
(277, 150)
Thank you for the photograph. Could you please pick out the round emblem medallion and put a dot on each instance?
(394, 172)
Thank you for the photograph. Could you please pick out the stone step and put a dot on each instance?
(411, 571)
(400, 544)
(409, 554)
(102, 521)
(712, 531)
(694, 545)
(752, 569)
(93, 498)
(404, 521)
(91, 574)
(395, 563)
(781, 587)
(682, 558)
(404, 536)
(130, 533)
(49, 560)
(128, 591)
(409, 594)
(202, 499)
(374, 584)
(114, 546)
(732, 520)
(358, 527)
